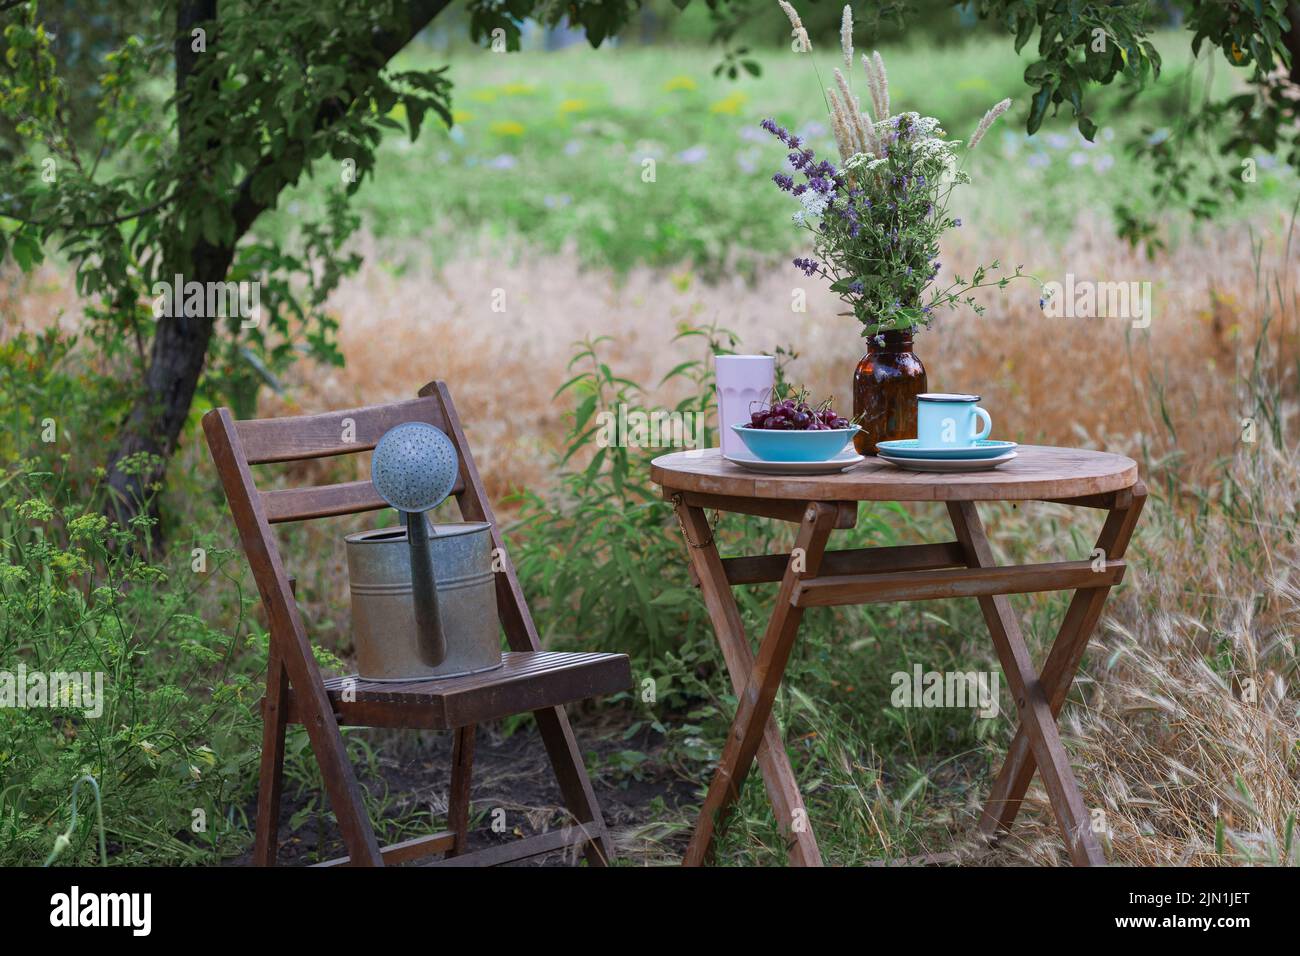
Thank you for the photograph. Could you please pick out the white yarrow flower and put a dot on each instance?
(814, 203)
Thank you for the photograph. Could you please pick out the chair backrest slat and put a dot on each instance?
(326, 501)
(267, 440)
(237, 445)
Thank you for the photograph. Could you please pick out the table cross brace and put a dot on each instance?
(1039, 697)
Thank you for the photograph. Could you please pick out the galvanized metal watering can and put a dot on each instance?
(423, 605)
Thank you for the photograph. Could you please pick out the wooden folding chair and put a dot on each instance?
(531, 679)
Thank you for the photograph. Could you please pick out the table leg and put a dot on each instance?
(755, 701)
(1062, 664)
(1037, 719)
(778, 776)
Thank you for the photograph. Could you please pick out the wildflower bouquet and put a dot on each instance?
(876, 218)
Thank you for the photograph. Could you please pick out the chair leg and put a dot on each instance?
(521, 634)
(271, 775)
(462, 769)
(575, 786)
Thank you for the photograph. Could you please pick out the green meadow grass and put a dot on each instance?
(549, 150)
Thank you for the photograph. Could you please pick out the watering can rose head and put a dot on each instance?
(877, 217)
(414, 468)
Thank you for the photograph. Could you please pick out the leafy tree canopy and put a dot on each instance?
(143, 144)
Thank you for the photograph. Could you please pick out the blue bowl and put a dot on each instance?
(776, 445)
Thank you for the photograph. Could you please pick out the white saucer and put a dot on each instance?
(947, 466)
(844, 459)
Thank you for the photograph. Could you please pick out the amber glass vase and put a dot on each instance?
(885, 385)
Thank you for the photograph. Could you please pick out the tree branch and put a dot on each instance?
(386, 44)
(100, 224)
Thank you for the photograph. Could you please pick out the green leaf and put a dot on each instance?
(672, 597)
(1038, 109)
(27, 251)
(414, 115)
(584, 413)
(1024, 30)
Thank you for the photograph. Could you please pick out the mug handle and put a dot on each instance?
(988, 425)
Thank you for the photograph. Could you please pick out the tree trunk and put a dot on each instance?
(180, 343)
(155, 423)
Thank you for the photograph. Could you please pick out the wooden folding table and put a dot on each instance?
(811, 576)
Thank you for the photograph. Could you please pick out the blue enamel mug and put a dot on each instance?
(949, 421)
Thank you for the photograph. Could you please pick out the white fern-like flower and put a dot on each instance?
(845, 140)
(846, 37)
(796, 25)
(882, 81)
(870, 138)
(879, 100)
(852, 114)
(987, 121)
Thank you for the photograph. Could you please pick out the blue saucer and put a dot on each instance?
(911, 448)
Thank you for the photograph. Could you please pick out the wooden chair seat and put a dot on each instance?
(526, 680)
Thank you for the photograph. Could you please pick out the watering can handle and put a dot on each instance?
(430, 642)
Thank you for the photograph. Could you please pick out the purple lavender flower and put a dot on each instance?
(808, 266)
(784, 181)
(802, 160)
(778, 131)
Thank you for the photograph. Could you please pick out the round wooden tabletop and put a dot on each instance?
(1037, 473)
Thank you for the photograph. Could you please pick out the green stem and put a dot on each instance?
(64, 839)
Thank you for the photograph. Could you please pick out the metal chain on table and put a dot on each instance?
(713, 525)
